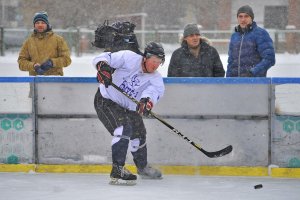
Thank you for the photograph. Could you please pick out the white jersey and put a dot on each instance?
(130, 77)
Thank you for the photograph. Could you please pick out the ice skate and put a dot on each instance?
(149, 173)
(121, 176)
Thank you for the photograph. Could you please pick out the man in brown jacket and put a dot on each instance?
(44, 52)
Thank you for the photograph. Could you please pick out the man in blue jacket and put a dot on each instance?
(251, 52)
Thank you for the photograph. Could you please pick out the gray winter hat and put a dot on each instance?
(190, 29)
(246, 9)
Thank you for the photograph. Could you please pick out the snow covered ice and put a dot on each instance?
(35, 186)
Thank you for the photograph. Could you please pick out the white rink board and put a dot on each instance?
(15, 98)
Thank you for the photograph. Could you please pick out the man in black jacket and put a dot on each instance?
(195, 57)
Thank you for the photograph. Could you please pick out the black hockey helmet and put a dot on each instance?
(154, 48)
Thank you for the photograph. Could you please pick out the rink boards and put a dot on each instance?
(51, 121)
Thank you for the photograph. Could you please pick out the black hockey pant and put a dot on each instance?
(124, 125)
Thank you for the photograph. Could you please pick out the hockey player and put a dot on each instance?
(136, 75)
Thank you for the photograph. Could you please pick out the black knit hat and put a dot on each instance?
(246, 9)
(190, 29)
(41, 16)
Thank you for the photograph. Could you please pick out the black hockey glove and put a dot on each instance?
(144, 107)
(104, 73)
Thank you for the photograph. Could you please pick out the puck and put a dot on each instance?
(258, 186)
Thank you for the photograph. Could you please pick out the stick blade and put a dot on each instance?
(219, 153)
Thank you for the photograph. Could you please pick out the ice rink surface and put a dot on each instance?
(35, 186)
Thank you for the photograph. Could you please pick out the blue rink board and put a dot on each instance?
(172, 80)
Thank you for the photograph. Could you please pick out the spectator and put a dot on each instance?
(196, 57)
(44, 52)
(251, 52)
(136, 75)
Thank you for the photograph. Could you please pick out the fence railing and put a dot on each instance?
(79, 40)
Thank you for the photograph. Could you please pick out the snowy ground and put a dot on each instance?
(287, 65)
(20, 186)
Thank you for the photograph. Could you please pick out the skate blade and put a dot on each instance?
(115, 181)
(150, 178)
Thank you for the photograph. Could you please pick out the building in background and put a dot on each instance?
(293, 38)
(212, 15)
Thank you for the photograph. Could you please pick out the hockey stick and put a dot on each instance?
(213, 154)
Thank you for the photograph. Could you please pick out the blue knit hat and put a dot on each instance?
(41, 16)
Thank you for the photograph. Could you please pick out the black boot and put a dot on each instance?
(121, 176)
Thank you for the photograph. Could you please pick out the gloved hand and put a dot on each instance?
(247, 74)
(144, 107)
(38, 69)
(41, 69)
(47, 65)
(104, 73)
